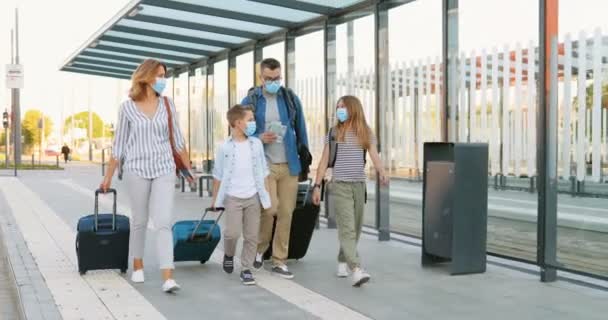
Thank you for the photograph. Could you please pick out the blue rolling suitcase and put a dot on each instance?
(102, 241)
(195, 240)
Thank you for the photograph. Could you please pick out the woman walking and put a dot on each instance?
(143, 140)
(346, 147)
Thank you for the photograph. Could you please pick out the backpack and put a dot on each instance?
(303, 152)
(333, 149)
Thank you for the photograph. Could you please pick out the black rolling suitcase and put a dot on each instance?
(102, 241)
(303, 224)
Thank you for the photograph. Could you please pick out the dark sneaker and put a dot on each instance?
(258, 263)
(228, 264)
(247, 278)
(282, 272)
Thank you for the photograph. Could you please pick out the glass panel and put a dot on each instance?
(276, 51)
(198, 120)
(355, 76)
(84, 70)
(169, 91)
(186, 56)
(101, 60)
(210, 20)
(333, 3)
(582, 136)
(310, 87)
(101, 65)
(414, 104)
(244, 78)
(500, 109)
(163, 41)
(218, 122)
(128, 55)
(181, 101)
(256, 8)
(181, 31)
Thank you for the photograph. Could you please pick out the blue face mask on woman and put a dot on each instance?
(159, 85)
(250, 129)
(272, 87)
(342, 114)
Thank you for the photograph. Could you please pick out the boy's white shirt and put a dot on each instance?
(223, 159)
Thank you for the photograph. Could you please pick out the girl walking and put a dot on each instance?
(346, 147)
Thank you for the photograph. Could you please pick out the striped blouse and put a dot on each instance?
(143, 142)
(350, 164)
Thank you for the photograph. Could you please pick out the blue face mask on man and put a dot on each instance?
(272, 87)
(159, 85)
(250, 129)
(342, 114)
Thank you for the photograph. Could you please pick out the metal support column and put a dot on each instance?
(547, 142)
(350, 52)
(191, 78)
(449, 69)
(210, 114)
(329, 68)
(232, 95)
(258, 56)
(290, 60)
(382, 96)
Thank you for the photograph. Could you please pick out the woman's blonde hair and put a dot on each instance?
(142, 77)
(355, 122)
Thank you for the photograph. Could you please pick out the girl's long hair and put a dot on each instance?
(356, 122)
(142, 77)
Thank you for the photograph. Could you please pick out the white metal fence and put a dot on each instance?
(488, 109)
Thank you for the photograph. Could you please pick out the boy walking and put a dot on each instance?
(240, 187)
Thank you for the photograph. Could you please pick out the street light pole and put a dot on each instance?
(16, 100)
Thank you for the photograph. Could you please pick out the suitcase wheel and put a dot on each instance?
(203, 262)
(123, 271)
(82, 272)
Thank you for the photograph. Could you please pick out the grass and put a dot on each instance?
(24, 166)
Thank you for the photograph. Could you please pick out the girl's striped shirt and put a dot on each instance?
(350, 164)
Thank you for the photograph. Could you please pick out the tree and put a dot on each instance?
(589, 97)
(30, 124)
(81, 120)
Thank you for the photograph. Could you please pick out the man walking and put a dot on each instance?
(282, 129)
(65, 150)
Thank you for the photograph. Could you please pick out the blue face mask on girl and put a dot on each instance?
(159, 85)
(342, 114)
(272, 87)
(250, 129)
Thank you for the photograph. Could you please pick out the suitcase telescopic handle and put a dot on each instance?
(220, 210)
(97, 192)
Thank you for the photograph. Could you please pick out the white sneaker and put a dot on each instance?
(258, 263)
(342, 270)
(360, 277)
(138, 276)
(170, 286)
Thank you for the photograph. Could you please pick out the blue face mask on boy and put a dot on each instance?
(272, 87)
(250, 129)
(342, 114)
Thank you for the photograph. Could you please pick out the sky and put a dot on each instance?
(52, 30)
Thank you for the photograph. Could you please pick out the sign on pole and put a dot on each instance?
(14, 76)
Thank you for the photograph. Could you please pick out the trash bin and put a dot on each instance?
(455, 206)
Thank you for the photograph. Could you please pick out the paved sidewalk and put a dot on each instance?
(9, 296)
(46, 206)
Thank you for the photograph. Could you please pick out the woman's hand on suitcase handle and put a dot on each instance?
(106, 184)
